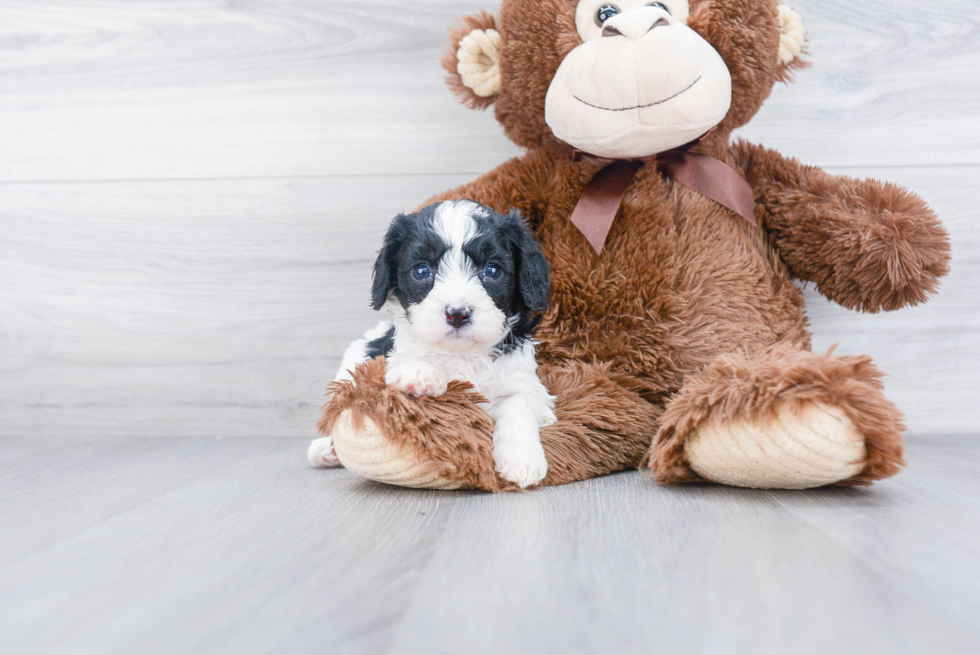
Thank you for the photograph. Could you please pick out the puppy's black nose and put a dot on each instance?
(458, 316)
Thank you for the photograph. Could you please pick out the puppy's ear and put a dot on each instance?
(386, 266)
(533, 270)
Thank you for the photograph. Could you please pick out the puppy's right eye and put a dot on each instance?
(422, 271)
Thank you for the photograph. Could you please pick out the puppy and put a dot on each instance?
(465, 287)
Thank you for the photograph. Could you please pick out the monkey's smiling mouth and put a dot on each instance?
(652, 104)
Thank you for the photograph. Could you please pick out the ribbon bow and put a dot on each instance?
(597, 208)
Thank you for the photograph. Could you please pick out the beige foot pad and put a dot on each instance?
(367, 453)
(801, 446)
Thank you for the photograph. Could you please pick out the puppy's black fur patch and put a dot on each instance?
(410, 238)
(524, 292)
(383, 345)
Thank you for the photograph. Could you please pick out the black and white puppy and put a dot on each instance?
(465, 287)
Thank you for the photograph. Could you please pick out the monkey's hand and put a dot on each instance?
(867, 245)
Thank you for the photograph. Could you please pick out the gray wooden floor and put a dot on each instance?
(190, 198)
(191, 545)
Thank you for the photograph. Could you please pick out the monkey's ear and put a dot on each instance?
(792, 40)
(472, 60)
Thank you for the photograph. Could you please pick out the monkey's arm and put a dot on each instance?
(517, 183)
(867, 245)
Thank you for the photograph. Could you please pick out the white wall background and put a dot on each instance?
(191, 194)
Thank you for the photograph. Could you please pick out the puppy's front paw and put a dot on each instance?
(549, 418)
(321, 454)
(417, 379)
(519, 458)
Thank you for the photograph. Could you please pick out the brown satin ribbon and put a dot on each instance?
(597, 208)
(712, 178)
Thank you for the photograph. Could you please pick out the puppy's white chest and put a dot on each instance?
(479, 370)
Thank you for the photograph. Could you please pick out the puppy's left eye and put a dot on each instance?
(492, 271)
(422, 271)
(659, 4)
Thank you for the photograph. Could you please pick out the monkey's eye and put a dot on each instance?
(659, 4)
(492, 271)
(422, 271)
(605, 13)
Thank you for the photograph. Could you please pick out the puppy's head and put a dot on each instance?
(465, 278)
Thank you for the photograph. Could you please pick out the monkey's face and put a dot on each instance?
(642, 82)
(623, 78)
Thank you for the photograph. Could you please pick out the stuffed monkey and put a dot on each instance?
(676, 340)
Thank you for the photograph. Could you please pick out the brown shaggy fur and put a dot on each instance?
(689, 311)
(742, 387)
(603, 426)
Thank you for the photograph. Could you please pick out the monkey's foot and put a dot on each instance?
(370, 454)
(384, 434)
(797, 447)
(784, 419)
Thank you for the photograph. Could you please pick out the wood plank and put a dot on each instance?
(887, 528)
(206, 308)
(266, 555)
(636, 567)
(143, 90)
(889, 86)
(67, 485)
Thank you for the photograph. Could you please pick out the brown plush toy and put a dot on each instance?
(677, 341)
